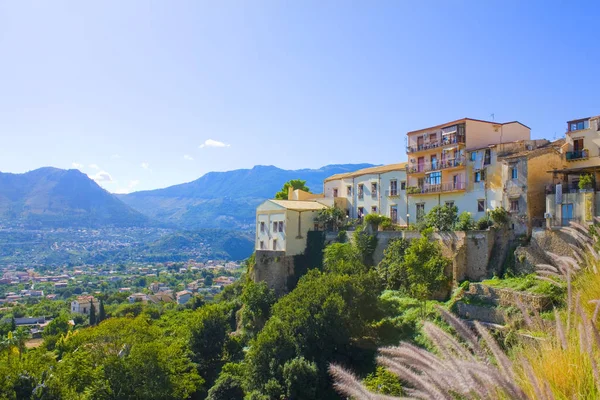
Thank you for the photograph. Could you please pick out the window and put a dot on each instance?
(480, 205)
(374, 209)
(435, 178)
(374, 190)
(262, 227)
(85, 310)
(262, 245)
(487, 158)
(450, 204)
(349, 190)
(335, 193)
(480, 176)
(513, 173)
(420, 211)
(274, 244)
(280, 226)
(514, 205)
(473, 156)
(403, 185)
(274, 226)
(578, 144)
(579, 125)
(361, 191)
(361, 212)
(393, 187)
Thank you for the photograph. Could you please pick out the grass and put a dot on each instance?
(531, 284)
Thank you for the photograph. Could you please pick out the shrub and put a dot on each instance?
(342, 237)
(500, 216)
(482, 224)
(465, 222)
(586, 181)
(441, 218)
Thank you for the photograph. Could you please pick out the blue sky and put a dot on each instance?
(147, 94)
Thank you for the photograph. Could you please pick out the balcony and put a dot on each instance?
(437, 188)
(577, 155)
(445, 141)
(416, 168)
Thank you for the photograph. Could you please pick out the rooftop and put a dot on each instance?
(371, 170)
(299, 204)
(458, 121)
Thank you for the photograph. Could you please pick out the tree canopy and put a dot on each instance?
(294, 184)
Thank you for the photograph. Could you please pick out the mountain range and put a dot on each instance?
(56, 198)
(226, 200)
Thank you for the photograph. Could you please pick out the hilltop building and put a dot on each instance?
(566, 199)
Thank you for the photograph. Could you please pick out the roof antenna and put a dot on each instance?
(492, 115)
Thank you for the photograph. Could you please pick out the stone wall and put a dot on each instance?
(274, 268)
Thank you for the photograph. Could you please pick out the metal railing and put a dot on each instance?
(445, 141)
(577, 155)
(573, 188)
(427, 167)
(437, 188)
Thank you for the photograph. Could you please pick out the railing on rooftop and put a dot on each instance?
(445, 141)
(573, 188)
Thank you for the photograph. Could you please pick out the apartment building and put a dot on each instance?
(375, 190)
(565, 200)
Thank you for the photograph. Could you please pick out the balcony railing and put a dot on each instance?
(445, 141)
(391, 193)
(427, 167)
(436, 188)
(572, 188)
(577, 155)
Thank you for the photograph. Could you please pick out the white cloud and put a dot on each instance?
(95, 166)
(187, 157)
(145, 165)
(129, 187)
(101, 177)
(76, 165)
(213, 143)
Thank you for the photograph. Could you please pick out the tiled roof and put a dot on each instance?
(371, 170)
(535, 152)
(299, 204)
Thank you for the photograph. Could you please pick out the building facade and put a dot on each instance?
(83, 304)
(566, 199)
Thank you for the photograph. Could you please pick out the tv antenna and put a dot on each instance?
(492, 115)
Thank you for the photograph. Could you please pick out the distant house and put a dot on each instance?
(82, 304)
(161, 297)
(184, 296)
(142, 297)
(224, 280)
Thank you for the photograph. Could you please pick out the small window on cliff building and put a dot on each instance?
(514, 205)
(280, 226)
(480, 205)
(262, 245)
(274, 244)
(262, 227)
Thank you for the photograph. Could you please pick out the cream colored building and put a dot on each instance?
(282, 225)
(375, 190)
(82, 305)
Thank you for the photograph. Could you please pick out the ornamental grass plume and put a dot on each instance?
(471, 364)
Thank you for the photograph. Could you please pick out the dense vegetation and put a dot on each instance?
(245, 344)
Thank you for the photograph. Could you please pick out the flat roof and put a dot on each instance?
(464, 120)
(371, 170)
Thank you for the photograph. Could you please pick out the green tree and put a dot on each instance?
(257, 300)
(332, 218)
(442, 218)
(294, 184)
(465, 222)
(391, 268)
(342, 258)
(101, 311)
(365, 245)
(424, 267)
(384, 382)
(92, 313)
(301, 378)
(226, 387)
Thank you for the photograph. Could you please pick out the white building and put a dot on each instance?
(82, 304)
(282, 225)
(183, 297)
(375, 190)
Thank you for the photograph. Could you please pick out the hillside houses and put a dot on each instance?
(474, 165)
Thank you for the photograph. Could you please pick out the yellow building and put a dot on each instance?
(567, 200)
